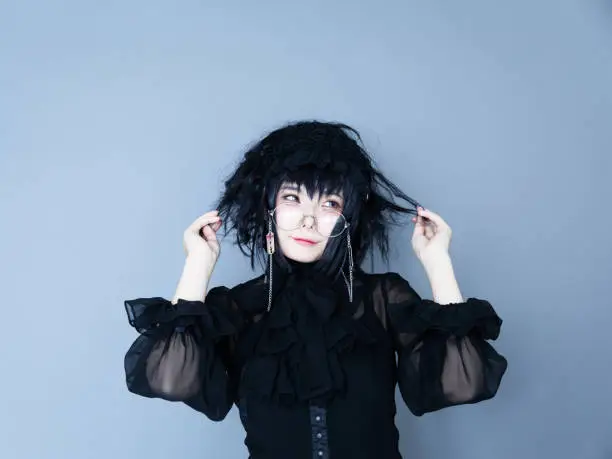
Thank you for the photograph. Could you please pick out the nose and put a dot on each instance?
(308, 221)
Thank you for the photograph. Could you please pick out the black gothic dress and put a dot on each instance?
(315, 376)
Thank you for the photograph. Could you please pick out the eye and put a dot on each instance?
(334, 205)
(287, 196)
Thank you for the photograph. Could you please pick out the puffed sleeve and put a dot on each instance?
(444, 358)
(183, 352)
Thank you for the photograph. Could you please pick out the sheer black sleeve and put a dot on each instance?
(183, 352)
(444, 358)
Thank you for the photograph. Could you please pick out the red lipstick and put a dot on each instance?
(303, 241)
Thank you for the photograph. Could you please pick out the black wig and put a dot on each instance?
(324, 158)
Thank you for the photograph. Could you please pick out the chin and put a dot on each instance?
(300, 254)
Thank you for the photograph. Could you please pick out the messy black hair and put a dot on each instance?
(323, 158)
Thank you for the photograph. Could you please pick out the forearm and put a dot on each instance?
(444, 286)
(193, 283)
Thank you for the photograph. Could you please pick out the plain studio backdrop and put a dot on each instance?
(120, 120)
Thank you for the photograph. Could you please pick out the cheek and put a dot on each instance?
(282, 239)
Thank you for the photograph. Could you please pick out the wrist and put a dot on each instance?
(193, 284)
(438, 264)
(444, 287)
(198, 264)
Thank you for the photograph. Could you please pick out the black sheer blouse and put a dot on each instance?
(315, 376)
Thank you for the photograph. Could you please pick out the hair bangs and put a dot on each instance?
(313, 181)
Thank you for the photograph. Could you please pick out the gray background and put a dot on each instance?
(118, 121)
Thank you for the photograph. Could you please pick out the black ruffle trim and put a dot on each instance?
(214, 317)
(459, 319)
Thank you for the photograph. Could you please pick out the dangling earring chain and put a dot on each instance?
(349, 284)
(270, 247)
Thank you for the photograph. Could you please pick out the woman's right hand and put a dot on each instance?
(200, 239)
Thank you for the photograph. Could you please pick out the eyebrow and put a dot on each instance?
(294, 187)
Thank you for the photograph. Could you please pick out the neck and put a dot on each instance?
(299, 269)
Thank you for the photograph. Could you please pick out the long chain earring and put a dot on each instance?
(270, 249)
(349, 248)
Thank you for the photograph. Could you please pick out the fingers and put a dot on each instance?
(206, 219)
(209, 234)
(433, 223)
(429, 231)
(420, 221)
(427, 223)
(216, 226)
(429, 215)
(424, 226)
(419, 230)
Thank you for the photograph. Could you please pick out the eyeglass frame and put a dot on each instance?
(314, 217)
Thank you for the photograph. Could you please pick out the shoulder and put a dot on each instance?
(249, 285)
(386, 280)
(390, 287)
(251, 295)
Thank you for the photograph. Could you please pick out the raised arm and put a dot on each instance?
(184, 351)
(444, 358)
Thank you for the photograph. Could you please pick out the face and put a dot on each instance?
(315, 221)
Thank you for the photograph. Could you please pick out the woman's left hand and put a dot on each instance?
(431, 237)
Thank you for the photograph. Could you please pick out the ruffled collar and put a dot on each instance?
(302, 285)
(292, 353)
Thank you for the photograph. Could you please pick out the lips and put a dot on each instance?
(304, 241)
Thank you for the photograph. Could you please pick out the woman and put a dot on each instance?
(307, 351)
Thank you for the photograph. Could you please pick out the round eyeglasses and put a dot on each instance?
(327, 221)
